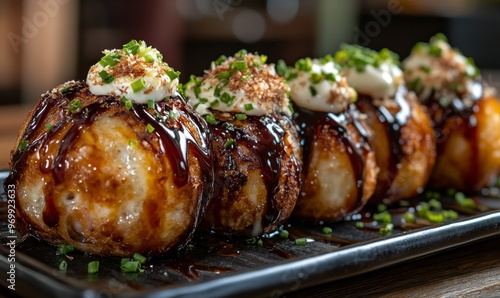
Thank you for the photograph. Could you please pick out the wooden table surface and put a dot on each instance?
(11, 119)
(472, 270)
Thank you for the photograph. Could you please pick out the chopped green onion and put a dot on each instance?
(49, 126)
(246, 77)
(150, 128)
(148, 57)
(149, 54)
(435, 204)
(248, 106)
(203, 100)
(316, 78)
(65, 89)
(220, 60)
(138, 85)
(327, 230)
(284, 234)
(241, 53)
(409, 217)
(241, 117)
(228, 143)
(471, 73)
(358, 57)
(63, 249)
(450, 214)
(219, 86)
(197, 91)
(225, 75)
(419, 47)
(304, 64)
(282, 68)
(383, 217)
(151, 104)
(133, 143)
(227, 99)
(251, 240)
(210, 118)
(93, 267)
(381, 207)
(238, 65)
(130, 266)
(110, 59)
(425, 68)
(432, 195)
(422, 209)
(131, 47)
(23, 144)
(172, 74)
(214, 103)
(301, 241)
(415, 84)
(360, 224)
(464, 202)
(159, 55)
(106, 77)
(260, 242)
(128, 103)
(63, 265)
(440, 36)
(172, 114)
(263, 59)
(386, 230)
(313, 90)
(124, 261)
(139, 258)
(434, 50)
(194, 80)
(330, 77)
(434, 217)
(75, 105)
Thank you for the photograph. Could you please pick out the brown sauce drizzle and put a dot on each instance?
(393, 122)
(462, 116)
(311, 123)
(267, 145)
(174, 142)
(456, 109)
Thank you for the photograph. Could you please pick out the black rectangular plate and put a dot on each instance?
(218, 267)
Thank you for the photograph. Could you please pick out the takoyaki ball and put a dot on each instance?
(256, 146)
(403, 139)
(339, 171)
(464, 111)
(116, 165)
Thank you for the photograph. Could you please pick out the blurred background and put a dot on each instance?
(48, 42)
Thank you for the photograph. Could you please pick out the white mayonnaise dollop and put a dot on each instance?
(322, 88)
(239, 84)
(138, 74)
(437, 67)
(378, 82)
